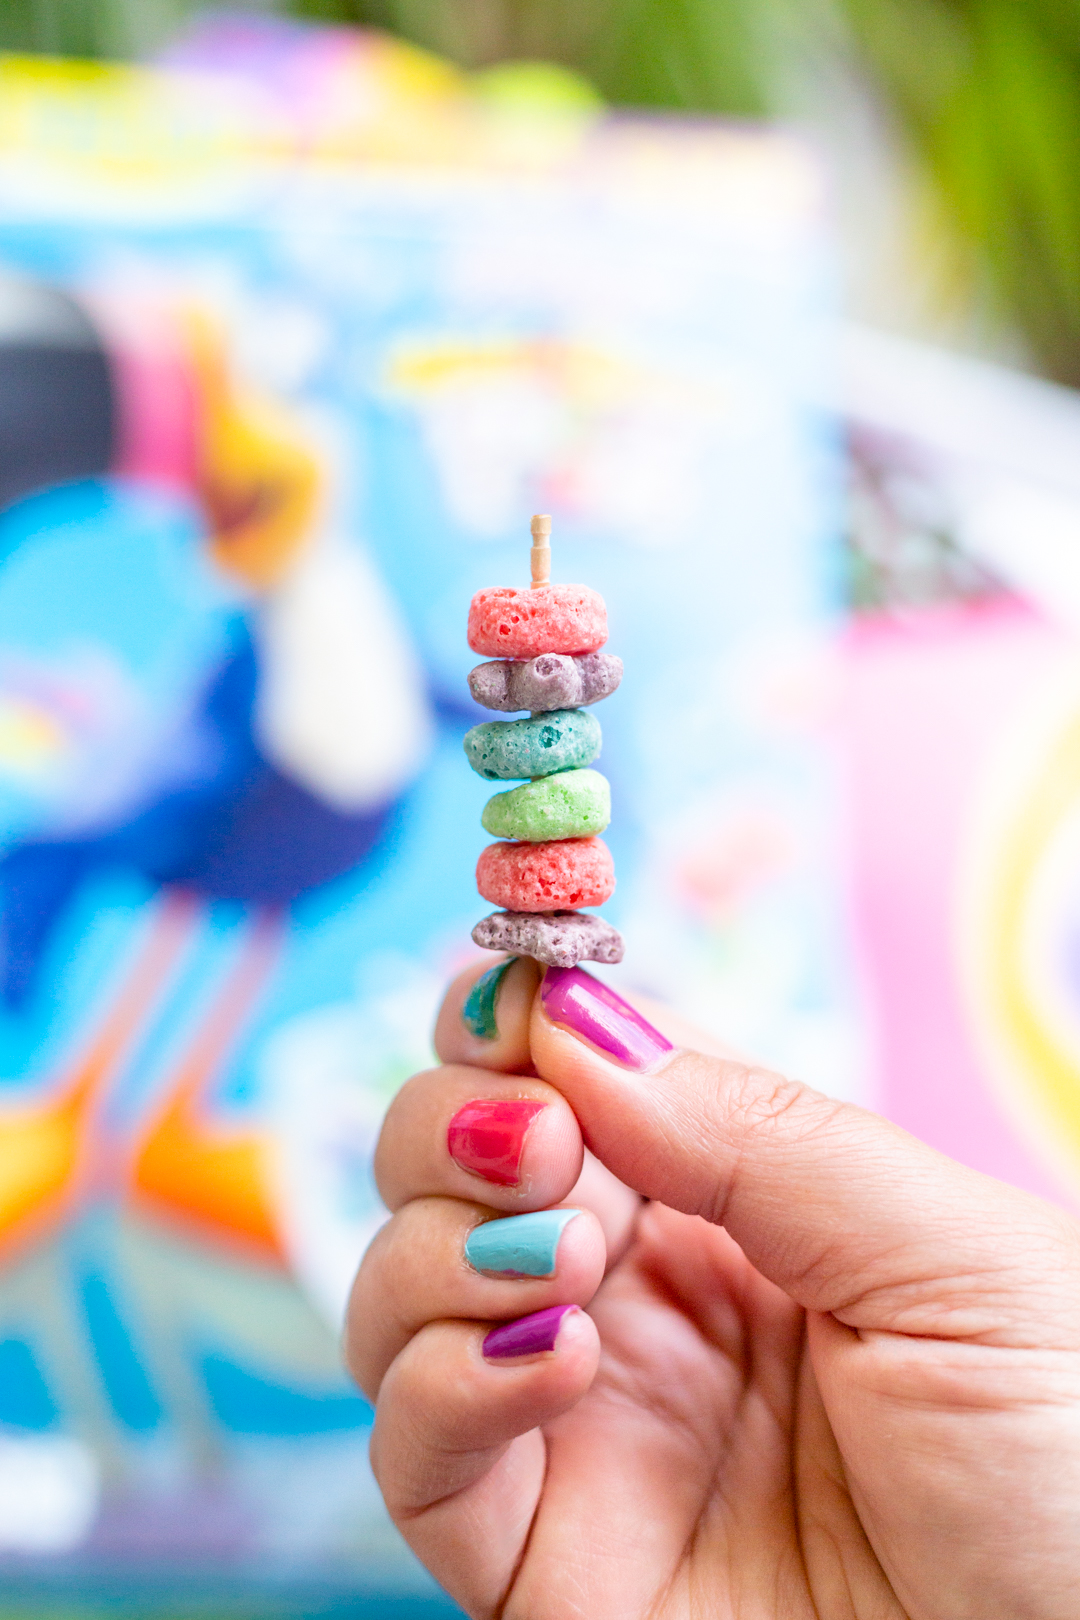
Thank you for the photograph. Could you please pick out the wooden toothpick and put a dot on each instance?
(540, 555)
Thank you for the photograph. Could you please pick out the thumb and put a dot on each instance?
(843, 1210)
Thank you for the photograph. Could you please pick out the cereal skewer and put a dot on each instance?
(554, 862)
(540, 554)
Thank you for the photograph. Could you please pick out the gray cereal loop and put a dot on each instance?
(558, 938)
(550, 681)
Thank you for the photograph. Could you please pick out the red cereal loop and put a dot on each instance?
(507, 623)
(556, 876)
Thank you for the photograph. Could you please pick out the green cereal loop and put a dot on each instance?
(570, 804)
(478, 1013)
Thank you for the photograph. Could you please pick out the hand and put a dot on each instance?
(828, 1372)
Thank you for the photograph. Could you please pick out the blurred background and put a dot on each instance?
(775, 305)
(953, 125)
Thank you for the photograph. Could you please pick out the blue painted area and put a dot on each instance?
(119, 1366)
(430, 846)
(247, 1403)
(92, 1594)
(115, 566)
(216, 934)
(207, 813)
(89, 949)
(25, 1402)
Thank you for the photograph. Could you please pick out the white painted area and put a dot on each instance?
(967, 411)
(341, 706)
(49, 1491)
(1003, 447)
(327, 1077)
(1027, 533)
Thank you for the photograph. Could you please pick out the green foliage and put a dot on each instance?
(702, 55)
(989, 91)
(697, 54)
(90, 27)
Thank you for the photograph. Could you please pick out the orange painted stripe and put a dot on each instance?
(192, 1171)
(48, 1149)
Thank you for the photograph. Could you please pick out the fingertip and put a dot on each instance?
(539, 1369)
(484, 1018)
(457, 1398)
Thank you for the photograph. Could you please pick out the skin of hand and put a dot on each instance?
(817, 1369)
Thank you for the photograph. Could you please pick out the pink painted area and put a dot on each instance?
(924, 701)
(156, 391)
(291, 60)
(157, 410)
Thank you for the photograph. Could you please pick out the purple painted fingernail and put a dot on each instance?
(528, 1336)
(586, 1007)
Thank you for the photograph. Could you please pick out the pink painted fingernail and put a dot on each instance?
(584, 1006)
(528, 1336)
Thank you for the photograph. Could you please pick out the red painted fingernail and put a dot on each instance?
(487, 1137)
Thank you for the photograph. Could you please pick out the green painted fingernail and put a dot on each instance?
(478, 1013)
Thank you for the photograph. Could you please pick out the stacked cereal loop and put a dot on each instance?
(546, 641)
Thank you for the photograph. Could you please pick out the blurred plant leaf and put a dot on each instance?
(989, 93)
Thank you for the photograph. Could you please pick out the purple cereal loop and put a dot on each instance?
(548, 681)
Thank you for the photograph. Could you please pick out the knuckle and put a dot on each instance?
(357, 1340)
(373, 1314)
(396, 1136)
(764, 1115)
(766, 1107)
(402, 1103)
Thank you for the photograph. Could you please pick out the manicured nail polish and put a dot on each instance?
(487, 1137)
(528, 1336)
(588, 1008)
(521, 1245)
(478, 1013)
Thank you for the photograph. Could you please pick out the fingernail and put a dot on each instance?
(478, 1013)
(528, 1336)
(584, 1006)
(487, 1137)
(521, 1245)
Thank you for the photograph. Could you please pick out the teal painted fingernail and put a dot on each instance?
(478, 1013)
(520, 1246)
